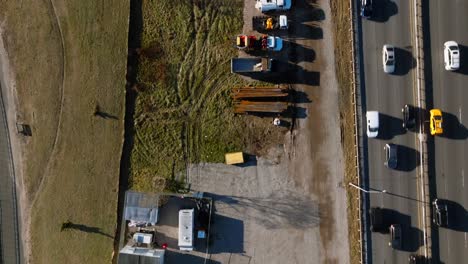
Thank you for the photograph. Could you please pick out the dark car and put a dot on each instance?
(409, 117)
(377, 220)
(391, 156)
(396, 241)
(366, 8)
(440, 213)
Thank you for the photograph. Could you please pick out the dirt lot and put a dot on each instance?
(293, 198)
(67, 60)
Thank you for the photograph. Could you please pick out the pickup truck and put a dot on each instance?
(269, 23)
(250, 65)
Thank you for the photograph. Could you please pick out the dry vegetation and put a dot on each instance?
(183, 110)
(68, 57)
(343, 42)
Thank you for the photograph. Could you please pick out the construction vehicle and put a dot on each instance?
(272, 5)
(246, 65)
(244, 42)
(268, 23)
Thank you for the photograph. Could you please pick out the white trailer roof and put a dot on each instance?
(186, 220)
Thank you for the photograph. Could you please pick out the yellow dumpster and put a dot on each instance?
(234, 158)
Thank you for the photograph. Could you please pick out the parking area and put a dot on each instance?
(289, 206)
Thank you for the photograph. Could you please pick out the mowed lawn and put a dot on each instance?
(67, 58)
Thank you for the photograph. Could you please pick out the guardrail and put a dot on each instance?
(356, 101)
(421, 94)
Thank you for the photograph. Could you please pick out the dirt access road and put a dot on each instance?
(289, 206)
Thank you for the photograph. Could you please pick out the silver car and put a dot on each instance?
(388, 58)
(391, 156)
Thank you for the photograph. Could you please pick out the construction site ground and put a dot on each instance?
(289, 205)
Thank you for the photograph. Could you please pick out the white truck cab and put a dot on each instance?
(271, 5)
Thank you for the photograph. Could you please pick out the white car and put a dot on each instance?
(388, 58)
(272, 5)
(451, 56)
(372, 124)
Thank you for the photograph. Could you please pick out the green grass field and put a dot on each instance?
(67, 57)
(183, 110)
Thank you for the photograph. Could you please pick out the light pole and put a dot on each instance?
(366, 191)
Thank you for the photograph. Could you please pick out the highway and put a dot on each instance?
(10, 251)
(388, 93)
(448, 20)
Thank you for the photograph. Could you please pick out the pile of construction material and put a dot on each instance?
(261, 99)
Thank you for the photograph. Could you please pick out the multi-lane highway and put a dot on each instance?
(448, 20)
(388, 93)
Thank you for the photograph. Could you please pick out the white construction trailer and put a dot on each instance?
(186, 222)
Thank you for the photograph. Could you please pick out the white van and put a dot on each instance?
(372, 124)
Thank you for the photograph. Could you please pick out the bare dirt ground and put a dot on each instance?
(290, 205)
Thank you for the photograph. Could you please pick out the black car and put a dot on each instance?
(409, 117)
(391, 156)
(377, 220)
(416, 259)
(366, 8)
(440, 213)
(396, 240)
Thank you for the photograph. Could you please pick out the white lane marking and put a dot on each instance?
(463, 180)
(459, 115)
(466, 243)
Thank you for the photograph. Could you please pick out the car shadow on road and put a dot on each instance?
(457, 216)
(453, 129)
(408, 158)
(383, 10)
(298, 53)
(463, 57)
(411, 236)
(404, 61)
(389, 126)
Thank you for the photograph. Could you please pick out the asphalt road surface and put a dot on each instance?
(9, 238)
(388, 93)
(448, 20)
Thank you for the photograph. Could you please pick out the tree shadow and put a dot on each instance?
(298, 53)
(453, 129)
(275, 210)
(383, 10)
(84, 228)
(408, 158)
(404, 61)
(389, 126)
